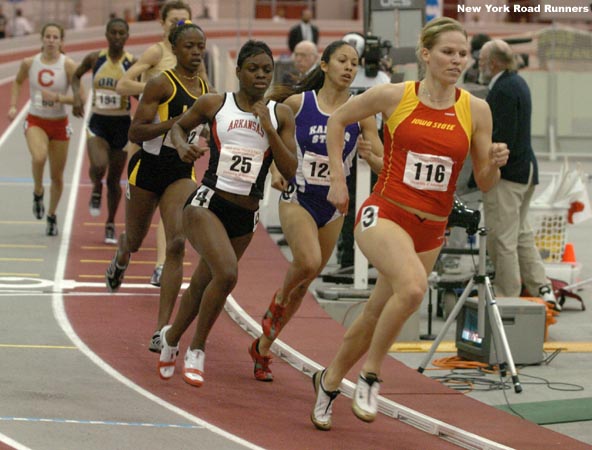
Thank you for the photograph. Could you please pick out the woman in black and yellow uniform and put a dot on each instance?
(156, 174)
(110, 120)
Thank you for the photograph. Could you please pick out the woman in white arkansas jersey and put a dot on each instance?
(46, 127)
(247, 134)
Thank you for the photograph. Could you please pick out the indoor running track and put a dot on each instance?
(112, 330)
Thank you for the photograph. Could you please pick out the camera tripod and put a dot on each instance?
(486, 300)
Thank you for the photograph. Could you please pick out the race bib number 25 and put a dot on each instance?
(240, 163)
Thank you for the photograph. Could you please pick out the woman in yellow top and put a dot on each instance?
(156, 175)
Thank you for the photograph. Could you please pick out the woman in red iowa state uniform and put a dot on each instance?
(430, 126)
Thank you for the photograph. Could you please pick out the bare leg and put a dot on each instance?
(58, 155)
(38, 144)
(311, 249)
(400, 288)
(171, 209)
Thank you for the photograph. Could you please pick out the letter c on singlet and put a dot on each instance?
(45, 77)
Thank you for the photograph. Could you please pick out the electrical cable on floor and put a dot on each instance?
(470, 376)
(553, 385)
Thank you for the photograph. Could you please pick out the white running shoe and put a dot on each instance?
(168, 356)
(94, 204)
(193, 369)
(546, 293)
(110, 234)
(323, 408)
(155, 342)
(156, 274)
(365, 402)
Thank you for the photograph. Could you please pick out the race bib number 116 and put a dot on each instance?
(427, 172)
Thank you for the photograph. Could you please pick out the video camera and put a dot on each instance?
(375, 50)
(463, 217)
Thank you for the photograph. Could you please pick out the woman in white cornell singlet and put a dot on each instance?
(46, 127)
(219, 219)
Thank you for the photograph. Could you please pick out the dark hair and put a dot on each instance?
(478, 40)
(174, 4)
(53, 24)
(180, 28)
(313, 81)
(115, 20)
(253, 48)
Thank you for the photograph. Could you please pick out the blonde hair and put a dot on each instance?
(432, 31)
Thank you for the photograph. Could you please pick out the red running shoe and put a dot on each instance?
(261, 369)
(273, 320)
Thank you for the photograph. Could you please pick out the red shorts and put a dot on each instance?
(426, 234)
(56, 129)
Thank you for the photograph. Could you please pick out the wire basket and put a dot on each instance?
(549, 224)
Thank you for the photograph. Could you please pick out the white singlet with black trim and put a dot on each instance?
(49, 77)
(240, 154)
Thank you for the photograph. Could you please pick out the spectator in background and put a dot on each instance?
(3, 23)
(21, 25)
(305, 56)
(280, 14)
(78, 20)
(149, 10)
(304, 31)
(205, 14)
(511, 244)
(471, 75)
(128, 16)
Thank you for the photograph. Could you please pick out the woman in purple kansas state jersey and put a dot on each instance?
(310, 223)
(247, 134)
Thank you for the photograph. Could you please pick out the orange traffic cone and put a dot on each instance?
(569, 254)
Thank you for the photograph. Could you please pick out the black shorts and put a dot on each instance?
(155, 173)
(111, 128)
(236, 220)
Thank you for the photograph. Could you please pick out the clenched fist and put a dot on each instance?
(498, 154)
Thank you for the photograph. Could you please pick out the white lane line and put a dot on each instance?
(102, 422)
(62, 319)
(15, 123)
(14, 444)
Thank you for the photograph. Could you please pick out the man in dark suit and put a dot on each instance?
(510, 242)
(304, 31)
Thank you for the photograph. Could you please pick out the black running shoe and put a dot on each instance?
(52, 226)
(114, 274)
(94, 206)
(38, 208)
